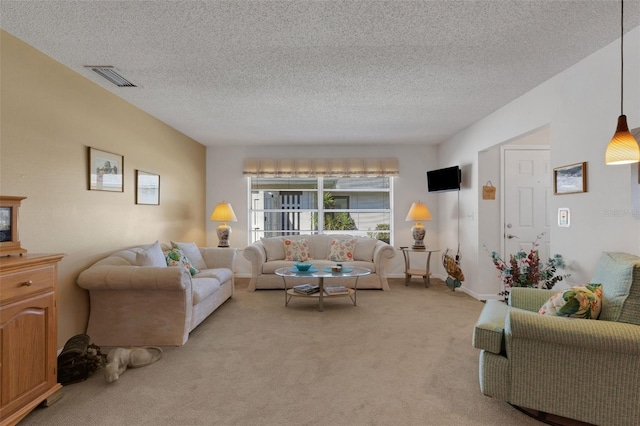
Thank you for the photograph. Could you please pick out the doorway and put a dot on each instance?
(526, 173)
(492, 220)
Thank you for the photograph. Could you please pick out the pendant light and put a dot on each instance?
(623, 147)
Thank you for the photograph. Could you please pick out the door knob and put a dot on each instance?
(509, 236)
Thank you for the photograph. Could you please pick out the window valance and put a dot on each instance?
(311, 167)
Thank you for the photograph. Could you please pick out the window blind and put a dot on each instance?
(313, 167)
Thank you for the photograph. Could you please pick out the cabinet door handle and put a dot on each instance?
(27, 283)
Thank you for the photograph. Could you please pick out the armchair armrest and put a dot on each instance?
(604, 336)
(529, 299)
(109, 277)
(217, 257)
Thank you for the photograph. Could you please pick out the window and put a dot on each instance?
(321, 205)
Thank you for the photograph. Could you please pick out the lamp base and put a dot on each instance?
(418, 232)
(223, 231)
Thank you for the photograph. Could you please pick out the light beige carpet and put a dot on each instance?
(402, 357)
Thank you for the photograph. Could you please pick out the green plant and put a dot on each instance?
(339, 221)
(382, 236)
(526, 270)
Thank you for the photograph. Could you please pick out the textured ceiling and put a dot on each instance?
(320, 72)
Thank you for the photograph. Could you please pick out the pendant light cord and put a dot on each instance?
(621, 55)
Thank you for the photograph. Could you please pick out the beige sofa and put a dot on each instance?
(267, 255)
(133, 305)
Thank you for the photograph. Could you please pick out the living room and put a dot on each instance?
(51, 114)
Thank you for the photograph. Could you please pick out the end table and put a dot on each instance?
(409, 271)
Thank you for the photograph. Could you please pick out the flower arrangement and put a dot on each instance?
(526, 270)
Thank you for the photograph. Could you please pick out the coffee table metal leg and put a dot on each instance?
(286, 296)
(355, 292)
(321, 296)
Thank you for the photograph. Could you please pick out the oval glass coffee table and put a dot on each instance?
(321, 274)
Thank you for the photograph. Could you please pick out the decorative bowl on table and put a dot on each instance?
(303, 266)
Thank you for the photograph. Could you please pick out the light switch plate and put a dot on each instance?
(564, 217)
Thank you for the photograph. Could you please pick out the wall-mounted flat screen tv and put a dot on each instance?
(447, 179)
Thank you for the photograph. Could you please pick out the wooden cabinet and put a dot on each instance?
(28, 333)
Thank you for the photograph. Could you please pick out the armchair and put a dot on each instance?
(587, 370)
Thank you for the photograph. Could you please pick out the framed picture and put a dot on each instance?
(570, 179)
(105, 171)
(147, 188)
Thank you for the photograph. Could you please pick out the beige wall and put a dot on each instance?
(49, 115)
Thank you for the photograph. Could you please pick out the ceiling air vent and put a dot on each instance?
(112, 75)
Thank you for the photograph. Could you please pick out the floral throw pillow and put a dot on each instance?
(342, 250)
(297, 250)
(192, 252)
(575, 302)
(175, 257)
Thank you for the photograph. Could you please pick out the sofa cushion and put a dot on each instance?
(341, 250)
(221, 274)
(364, 249)
(488, 334)
(151, 256)
(273, 247)
(297, 250)
(619, 274)
(575, 302)
(201, 288)
(175, 257)
(192, 252)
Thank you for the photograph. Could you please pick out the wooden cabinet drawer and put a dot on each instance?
(25, 283)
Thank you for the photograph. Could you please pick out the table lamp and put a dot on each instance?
(418, 212)
(223, 213)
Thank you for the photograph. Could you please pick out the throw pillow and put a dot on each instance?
(575, 302)
(297, 250)
(364, 249)
(175, 257)
(151, 256)
(192, 252)
(341, 250)
(273, 247)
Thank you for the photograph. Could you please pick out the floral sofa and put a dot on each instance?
(137, 299)
(559, 363)
(269, 254)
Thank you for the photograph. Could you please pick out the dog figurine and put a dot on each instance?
(118, 359)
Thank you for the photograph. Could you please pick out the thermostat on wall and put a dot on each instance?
(564, 217)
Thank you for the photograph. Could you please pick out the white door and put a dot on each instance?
(527, 192)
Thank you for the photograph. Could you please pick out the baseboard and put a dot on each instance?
(482, 296)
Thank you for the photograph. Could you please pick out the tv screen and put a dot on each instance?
(447, 179)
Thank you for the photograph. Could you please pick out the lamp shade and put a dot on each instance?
(418, 212)
(623, 147)
(223, 213)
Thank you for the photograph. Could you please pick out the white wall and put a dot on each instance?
(581, 107)
(226, 182)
